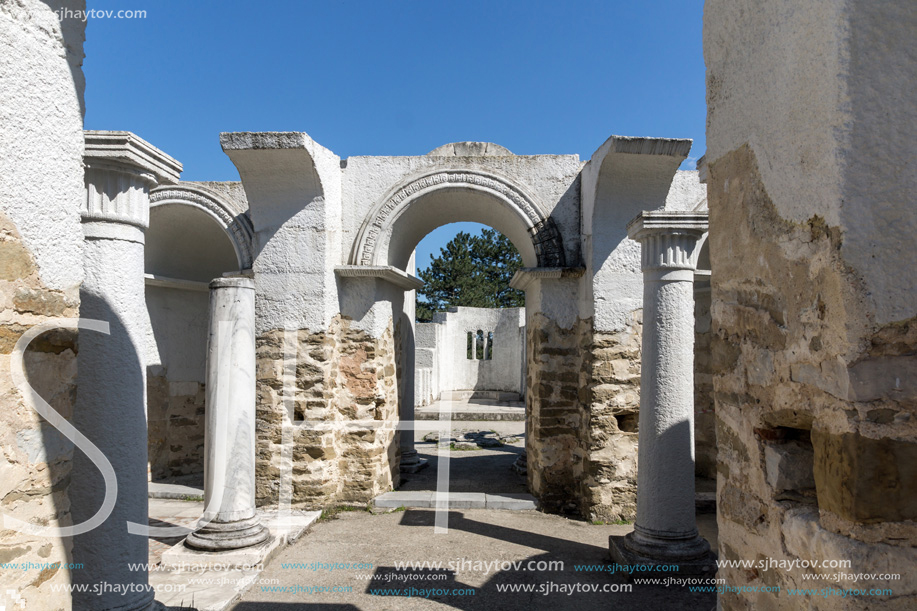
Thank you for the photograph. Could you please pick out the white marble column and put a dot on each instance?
(110, 406)
(666, 528)
(230, 521)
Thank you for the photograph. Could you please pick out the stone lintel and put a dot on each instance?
(524, 277)
(118, 148)
(667, 221)
(175, 283)
(670, 147)
(399, 278)
(247, 141)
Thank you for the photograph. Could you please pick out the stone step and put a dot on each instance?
(516, 414)
(426, 499)
(179, 492)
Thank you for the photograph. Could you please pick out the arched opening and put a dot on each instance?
(186, 247)
(469, 357)
(383, 254)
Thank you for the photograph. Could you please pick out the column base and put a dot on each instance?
(411, 463)
(223, 536)
(692, 555)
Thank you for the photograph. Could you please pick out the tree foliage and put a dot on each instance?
(471, 271)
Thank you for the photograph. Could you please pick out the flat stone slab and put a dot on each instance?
(203, 591)
(175, 491)
(457, 500)
(182, 558)
(474, 413)
(515, 501)
(465, 500)
(396, 499)
(213, 581)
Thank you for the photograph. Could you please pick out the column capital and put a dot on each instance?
(669, 239)
(121, 168)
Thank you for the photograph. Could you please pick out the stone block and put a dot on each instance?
(789, 466)
(513, 501)
(865, 480)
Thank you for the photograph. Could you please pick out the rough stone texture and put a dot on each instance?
(812, 221)
(780, 354)
(341, 375)
(704, 410)
(41, 151)
(555, 418)
(175, 415)
(613, 405)
(35, 459)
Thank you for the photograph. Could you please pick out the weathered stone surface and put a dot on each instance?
(554, 424)
(789, 466)
(612, 403)
(41, 152)
(794, 351)
(866, 480)
(341, 375)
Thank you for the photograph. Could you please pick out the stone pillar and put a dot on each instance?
(666, 530)
(230, 521)
(111, 403)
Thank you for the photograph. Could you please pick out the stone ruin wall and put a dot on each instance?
(36, 457)
(811, 238)
(342, 375)
(704, 406)
(175, 417)
(41, 155)
(814, 464)
(612, 404)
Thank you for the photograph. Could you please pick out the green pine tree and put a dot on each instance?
(471, 271)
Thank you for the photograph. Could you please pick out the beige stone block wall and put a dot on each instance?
(342, 375)
(612, 405)
(35, 459)
(704, 407)
(788, 319)
(555, 417)
(175, 421)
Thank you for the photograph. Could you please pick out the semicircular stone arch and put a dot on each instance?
(236, 224)
(516, 208)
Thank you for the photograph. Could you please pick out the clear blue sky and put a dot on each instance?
(397, 77)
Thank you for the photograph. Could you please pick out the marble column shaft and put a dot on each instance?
(229, 445)
(666, 527)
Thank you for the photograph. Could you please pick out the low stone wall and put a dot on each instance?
(341, 375)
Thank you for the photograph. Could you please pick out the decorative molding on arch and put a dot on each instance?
(546, 238)
(237, 225)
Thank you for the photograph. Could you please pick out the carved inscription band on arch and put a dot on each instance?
(545, 236)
